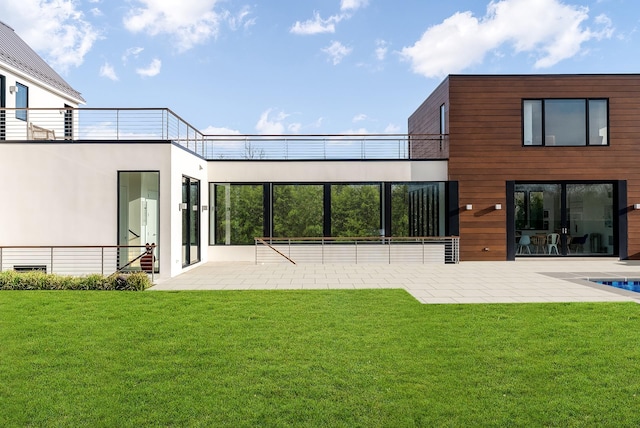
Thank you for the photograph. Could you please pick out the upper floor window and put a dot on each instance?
(565, 122)
(22, 101)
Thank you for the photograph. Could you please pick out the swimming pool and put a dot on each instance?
(626, 284)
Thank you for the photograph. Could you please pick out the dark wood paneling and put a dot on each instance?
(485, 146)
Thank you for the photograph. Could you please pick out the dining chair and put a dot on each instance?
(524, 243)
(552, 242)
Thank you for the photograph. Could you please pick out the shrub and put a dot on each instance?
(35, 280)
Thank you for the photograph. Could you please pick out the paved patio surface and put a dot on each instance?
(522, 281)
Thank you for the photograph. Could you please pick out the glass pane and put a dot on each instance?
(598, 122)
(298, 210)
(185, 221)
(355, 210)
(565, 122)
(426, 213)
(400, 210)
(194, 221)
(138, 212)
(22, 101)
(532, 122)
(239, 213)
(590, 215)
(538, 219)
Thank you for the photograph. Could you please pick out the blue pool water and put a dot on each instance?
(628, 284)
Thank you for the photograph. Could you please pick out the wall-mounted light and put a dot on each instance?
(636, 206)
(498, 206)
(13, 89)
(469, 207)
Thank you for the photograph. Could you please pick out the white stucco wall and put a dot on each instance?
(67, 193)
(322, 171)
(184, 163)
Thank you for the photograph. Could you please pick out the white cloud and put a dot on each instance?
(359, 131)
(294, 128)
(549, 30)
(337, 51)
(353, 4)
(57, 29)
(241, 19)
(107, 71)
(359, 118)
(269, 125)
(152, 70)
(191, 22)
(96, 12)
(392, 128)
(131, 52)
(214, 130)
(382, 47)
(317, 25)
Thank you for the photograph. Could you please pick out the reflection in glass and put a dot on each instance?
(565, 122)
(138, 212)
(598, 122)
(532, 122)
(238, 215)
(355, 210)
(298, 210)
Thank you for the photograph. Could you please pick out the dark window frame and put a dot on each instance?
(543, 142)
(22, 89)
(434, 212)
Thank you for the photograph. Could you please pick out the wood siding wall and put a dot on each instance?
(426, 120)
(486, 151)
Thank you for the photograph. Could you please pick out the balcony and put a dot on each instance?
(161, 124)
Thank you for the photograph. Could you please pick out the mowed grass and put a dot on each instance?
(352, 358)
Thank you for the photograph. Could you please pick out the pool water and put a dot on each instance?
(628, 284)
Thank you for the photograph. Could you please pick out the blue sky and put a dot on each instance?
(313, 66)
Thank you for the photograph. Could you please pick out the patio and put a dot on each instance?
(522, 281)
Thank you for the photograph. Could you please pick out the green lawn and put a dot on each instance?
(312, 358)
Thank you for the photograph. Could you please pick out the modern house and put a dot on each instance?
(545, 164)
(515, 166)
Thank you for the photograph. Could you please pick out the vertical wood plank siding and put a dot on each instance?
(485, 147)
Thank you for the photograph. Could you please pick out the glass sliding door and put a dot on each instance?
(556, 219)
(190, 207)
(138, 213)
(590, 219)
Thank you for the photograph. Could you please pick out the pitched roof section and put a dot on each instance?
(16, 53)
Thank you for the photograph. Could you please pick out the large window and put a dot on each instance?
(138, 212)
(417, 209)
(298, 210)
(241, 212)
(565, 122)
(238, 213)
(355, 210)
(22, 101)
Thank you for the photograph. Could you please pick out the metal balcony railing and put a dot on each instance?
(162, 124)
(386, 250)
(79, 260)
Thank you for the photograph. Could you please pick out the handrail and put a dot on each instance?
(260, 240)
(125, 125)
(78, 259)
(369, 249)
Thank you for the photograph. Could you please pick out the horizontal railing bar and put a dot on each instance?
(130, 124)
